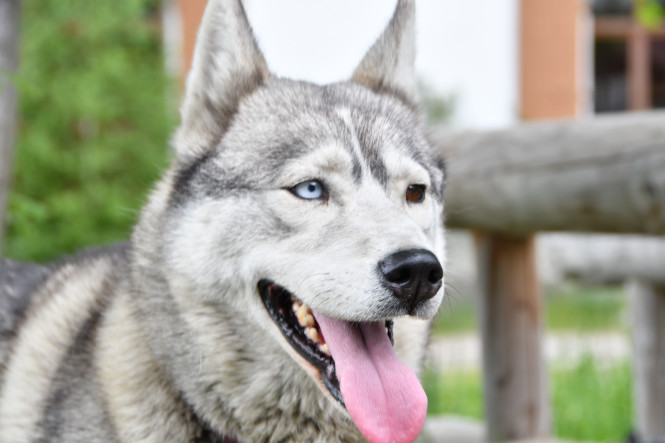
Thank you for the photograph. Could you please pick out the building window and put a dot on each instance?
(658, 72)
(611, 8)
(610, 79)
(629, 60)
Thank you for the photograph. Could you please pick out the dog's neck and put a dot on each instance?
(208, 435)
(137, 386)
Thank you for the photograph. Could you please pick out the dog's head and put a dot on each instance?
(311, 212)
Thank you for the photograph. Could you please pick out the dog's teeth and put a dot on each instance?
(296, 306)
(305, 316)
(324, 348)
(301, 313)
(313, 334)
(309, 320)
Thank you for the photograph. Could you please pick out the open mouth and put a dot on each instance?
(357, 364)
(300, 328)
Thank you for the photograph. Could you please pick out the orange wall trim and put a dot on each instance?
(191, 12)
(550, 43)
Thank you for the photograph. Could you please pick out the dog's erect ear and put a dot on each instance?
(388, 66)
(227, 66)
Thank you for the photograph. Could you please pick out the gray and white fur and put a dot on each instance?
(166, 338)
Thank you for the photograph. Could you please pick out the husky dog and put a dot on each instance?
(278, 285)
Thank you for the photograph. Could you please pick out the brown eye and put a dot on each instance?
(415, 193)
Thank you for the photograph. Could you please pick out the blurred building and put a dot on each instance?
(495, 62)
(629, 59)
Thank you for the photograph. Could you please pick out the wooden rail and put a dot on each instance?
(605, 174)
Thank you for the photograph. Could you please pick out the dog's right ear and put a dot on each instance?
(227, 66)
(389, 66)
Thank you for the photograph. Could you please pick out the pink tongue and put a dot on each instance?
(383, 396)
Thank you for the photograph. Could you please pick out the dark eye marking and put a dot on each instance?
(415, 193)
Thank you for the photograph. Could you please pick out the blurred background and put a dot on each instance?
(93, 94)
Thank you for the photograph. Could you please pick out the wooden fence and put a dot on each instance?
(604, 174)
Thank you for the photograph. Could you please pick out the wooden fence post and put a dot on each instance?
(9, 38)
(517, 403)
(647, 303)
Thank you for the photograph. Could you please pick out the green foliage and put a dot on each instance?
(94, 124)
(590, 402)
(437, 108)
(650, 13)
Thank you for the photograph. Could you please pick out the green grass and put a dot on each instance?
(455, 315)
(584, 308)
(458, 393)
(590, 403)
(574, 308)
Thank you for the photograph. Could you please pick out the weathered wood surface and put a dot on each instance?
(603, 174)
(9, 46)
(647, 303)
(517, 404)
(606, 257)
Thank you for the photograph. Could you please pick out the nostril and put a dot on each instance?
(435, 274)
(399, 276)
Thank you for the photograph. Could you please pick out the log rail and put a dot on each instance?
(604, 174)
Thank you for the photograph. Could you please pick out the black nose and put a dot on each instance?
(413, 275)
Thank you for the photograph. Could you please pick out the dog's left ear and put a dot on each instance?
(227, 66)
(389, 65)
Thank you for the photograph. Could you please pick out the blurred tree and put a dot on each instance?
(438, 108)
(94, 124)
(650, 13)
(9, 43)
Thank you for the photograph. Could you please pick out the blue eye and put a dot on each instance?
(310, 190)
